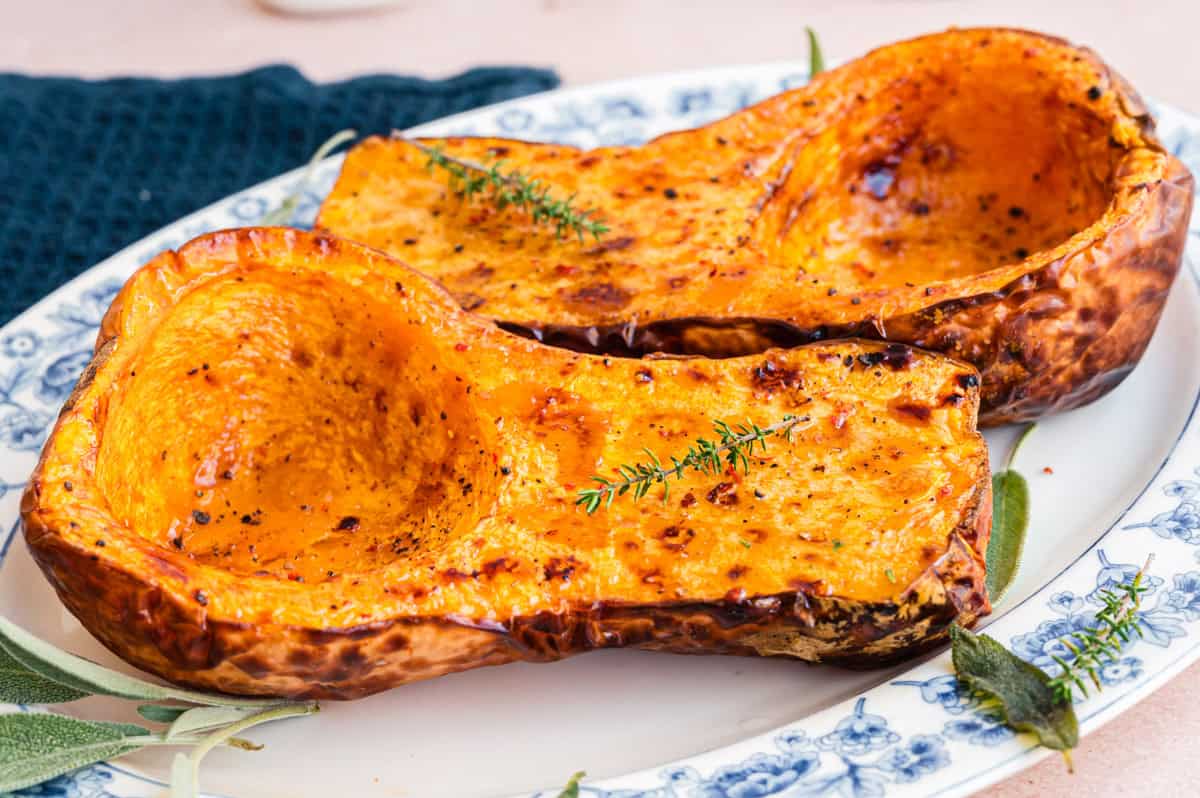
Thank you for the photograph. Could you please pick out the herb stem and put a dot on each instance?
(512, 188)
(733, 448)
(1012, 453)
(283, 213)
(228, 734)
(1116, 623)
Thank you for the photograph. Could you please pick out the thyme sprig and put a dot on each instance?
(529, 194)
(1116, 624)
(733, 447)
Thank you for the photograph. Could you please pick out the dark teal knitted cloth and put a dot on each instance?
(89, 167)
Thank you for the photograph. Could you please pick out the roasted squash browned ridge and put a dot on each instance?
(994, 194)
(296, 467)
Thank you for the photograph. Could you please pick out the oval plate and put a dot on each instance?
(1110, 483)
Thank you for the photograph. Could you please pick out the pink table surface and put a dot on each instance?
(1151, 749)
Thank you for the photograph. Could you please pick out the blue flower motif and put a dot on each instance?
(87, 783)
(1182, 523)
(1042, 645)
(692, 101)
(23, 429)
(978, 730)
(20, 344)
(1160, 626)
(622, 108)
(1181, 489)
(945, 690)
(514, 120)
(920, 756)
(251, 209)
(93, 304)
(1126, 669)
(60, 376)
(1186, 594)
(760, 775)
(859, 733)
(793, 741)
(1066, 602)
(1113, 575)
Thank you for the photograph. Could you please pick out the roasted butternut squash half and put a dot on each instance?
(295, 467)
(997, 195)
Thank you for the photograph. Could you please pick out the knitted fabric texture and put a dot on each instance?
(88, 167)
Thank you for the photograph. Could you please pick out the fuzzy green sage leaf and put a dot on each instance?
(816, 60)
(36, 747)
(86, 676)
(1010, 521)
(572, 788)
(19, 685)
(1023, 691)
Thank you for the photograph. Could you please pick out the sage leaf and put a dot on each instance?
(1023, 691)
(19, 685)
(205, 718)
(84, 675)
(572, 788)
(816, 60)
(35, 747)
(161, 714)
(1010, 521)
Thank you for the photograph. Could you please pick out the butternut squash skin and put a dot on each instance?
(994, 194)
(295, 467)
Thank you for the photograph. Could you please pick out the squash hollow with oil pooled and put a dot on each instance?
(997, 195)
(296, 467)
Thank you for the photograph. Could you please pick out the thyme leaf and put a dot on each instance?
(732, 448)
(529, 194)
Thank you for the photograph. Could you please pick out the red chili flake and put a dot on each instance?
(1047, 470)
(461, 347)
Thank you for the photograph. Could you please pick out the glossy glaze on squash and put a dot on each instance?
(298, 468)
(997, 195)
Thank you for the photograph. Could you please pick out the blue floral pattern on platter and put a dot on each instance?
(920, 734)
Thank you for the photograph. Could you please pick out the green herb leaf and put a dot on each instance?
(84, 675)
(572, 788)
(530, 195)
(816, 61)
(734, 445)
(35, 747)
(205, 718)
(1023, 691)
(1010, 522)
(19, 685)
(161, 714)
(283, 213)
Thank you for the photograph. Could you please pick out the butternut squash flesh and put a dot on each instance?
(994, 194)
(298, 468)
